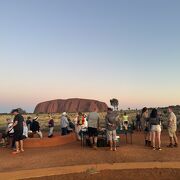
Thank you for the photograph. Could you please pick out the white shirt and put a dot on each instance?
(10, 128)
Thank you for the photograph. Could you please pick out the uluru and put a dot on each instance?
(70, 105)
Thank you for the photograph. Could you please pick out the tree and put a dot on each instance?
(115, 103)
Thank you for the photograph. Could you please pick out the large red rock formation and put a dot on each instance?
(70, 105)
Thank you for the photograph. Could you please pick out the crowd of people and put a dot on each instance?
(18, 130)
(152, 127)
(148, 122)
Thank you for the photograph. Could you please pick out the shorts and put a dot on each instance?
(18, 135)
(156, 128)
(172, 132)
(92, 132)
(111, 135)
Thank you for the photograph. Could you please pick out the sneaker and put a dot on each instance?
(159, 149)
(170, 146)
(154, 148)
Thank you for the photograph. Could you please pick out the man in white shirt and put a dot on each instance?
(172, 128)
(93, 126)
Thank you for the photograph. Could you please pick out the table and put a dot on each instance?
(84, 133)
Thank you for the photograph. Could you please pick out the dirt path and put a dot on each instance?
(87, 168)
(135, 174)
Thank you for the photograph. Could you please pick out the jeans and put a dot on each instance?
(138, 125)
(64, 131)
(51, 129)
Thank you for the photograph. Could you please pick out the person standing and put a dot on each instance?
(172, 128)
(138, 122)
(18, 131)
(125, 121)
(78, 125)
(29, 122)
(93, 126)
(145, 126)
(51, 127)
(85, 124)
(155, 128)
(64, 124)
(111, 127)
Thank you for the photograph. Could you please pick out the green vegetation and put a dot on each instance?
(114, 103)
(44, 118)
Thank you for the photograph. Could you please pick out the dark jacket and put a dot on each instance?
(35, 126)
(51, 123)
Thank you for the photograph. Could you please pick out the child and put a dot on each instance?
(51, 127)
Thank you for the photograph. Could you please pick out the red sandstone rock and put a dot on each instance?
(70, 105)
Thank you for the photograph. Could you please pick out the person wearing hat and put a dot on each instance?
(29, 122)
(64, 124)
(18, 131)
(35, 127)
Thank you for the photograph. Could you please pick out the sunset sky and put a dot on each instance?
(95, 49)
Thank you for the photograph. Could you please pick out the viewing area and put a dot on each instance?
(57, 140)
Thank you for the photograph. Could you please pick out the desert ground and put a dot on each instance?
(71, 161)
(133, 162)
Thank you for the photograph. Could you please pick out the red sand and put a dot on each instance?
(73, 154)
(145, 174)
(49, 142)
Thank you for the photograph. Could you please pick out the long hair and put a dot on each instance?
(144, 110)
(154, 113)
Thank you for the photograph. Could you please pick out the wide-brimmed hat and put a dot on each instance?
(64, 114)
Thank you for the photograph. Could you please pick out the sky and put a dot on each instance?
(93, 49)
